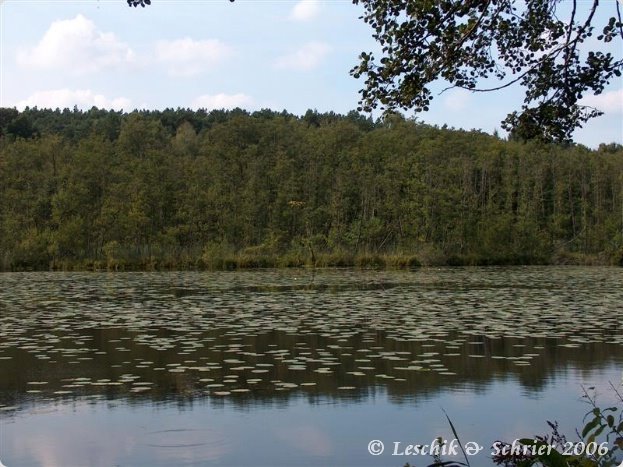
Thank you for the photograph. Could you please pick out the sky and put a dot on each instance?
(253, 54)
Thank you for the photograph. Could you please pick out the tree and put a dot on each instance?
(466, 41)
(7, 117)
(21, 127)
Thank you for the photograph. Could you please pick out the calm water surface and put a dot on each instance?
(295, 367)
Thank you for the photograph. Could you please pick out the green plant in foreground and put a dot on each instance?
(600, 445)
(601, 441)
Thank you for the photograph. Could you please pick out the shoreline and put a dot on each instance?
(247, 262)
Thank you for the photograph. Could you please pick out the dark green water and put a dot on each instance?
(295, 367)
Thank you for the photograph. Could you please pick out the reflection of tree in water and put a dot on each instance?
(474, 368)
(265, 337)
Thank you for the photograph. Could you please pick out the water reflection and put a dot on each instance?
(270, 342)
(330, 432)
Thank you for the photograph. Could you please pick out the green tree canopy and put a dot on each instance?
(181, 188)
(467, 41)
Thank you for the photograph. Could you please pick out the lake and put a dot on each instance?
(297, 367)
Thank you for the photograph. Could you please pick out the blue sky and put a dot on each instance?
(253, 54)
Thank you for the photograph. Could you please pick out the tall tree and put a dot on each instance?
(467, 41)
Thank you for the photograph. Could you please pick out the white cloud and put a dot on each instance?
(305, 10)
(457, 99)
(187, 57)
(78, 46)
(222, 101)
(306, 58)
(67, 98)
(608, 102)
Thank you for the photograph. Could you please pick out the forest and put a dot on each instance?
(185, 189)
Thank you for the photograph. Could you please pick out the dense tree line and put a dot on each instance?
(181, 188)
